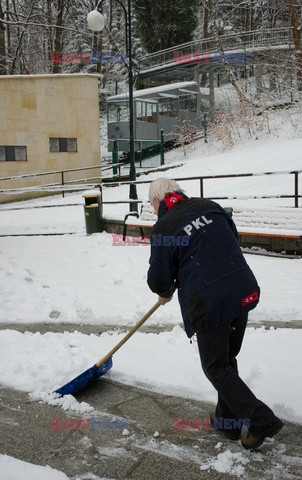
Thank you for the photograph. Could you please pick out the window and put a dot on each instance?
(141, 111)
(118, 113)
(112, 113)
(151, 112)
(63, 145)
(169, 108)
(12, 154)
(72, 145)
(163, 108)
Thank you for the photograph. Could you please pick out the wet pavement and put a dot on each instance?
(131, 435)
(149, 448)
(98, 329)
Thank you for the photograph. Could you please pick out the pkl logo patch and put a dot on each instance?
(249, 299)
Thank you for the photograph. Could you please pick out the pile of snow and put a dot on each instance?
(13, 469)
(68, 402)
(165, 362)
(228, 462)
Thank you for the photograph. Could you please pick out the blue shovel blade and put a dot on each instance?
(86, 377)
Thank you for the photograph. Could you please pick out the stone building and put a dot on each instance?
(48, 123)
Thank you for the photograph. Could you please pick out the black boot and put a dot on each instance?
(251, 441)
(230, 434)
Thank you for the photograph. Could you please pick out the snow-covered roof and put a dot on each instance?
(154, 92)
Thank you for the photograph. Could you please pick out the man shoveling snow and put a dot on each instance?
(194, 248)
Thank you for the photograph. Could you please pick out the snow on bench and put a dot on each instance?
(272, 222)
(146, 219)
(281, 222)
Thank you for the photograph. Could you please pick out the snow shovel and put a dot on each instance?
(101, 367)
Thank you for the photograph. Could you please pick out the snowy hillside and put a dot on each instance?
(59, 285)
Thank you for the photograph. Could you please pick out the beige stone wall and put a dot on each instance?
(35, 108)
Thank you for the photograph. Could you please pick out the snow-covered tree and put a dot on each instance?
(2, 43)
(163, 24)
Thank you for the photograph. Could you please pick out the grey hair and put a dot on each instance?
(161, 186)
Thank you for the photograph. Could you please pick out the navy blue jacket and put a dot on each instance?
(194, 248)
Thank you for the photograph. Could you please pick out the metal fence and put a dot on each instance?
(204, 178)
(75, 185)
(56, 185)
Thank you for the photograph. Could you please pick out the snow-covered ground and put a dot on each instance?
(251, 157)
(86, 280)
(165, 362)
(13, 469)
(276, 154)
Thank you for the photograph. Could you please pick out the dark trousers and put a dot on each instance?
(218, 348)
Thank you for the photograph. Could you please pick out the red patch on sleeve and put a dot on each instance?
(249, 299)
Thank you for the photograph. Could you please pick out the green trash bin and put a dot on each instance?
(93, 211)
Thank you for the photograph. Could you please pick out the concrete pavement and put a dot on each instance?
(98, 453)
(106, 453)
(98, 329)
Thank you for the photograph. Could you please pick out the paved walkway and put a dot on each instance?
(105, 453)
(98, 329)
(98, 453)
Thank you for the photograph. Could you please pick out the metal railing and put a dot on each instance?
(239, 41)
(61, 179)
(202, 179)
(61, 187)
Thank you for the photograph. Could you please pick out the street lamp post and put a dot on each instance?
(96, 23)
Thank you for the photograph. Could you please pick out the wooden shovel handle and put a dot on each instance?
(129, 334)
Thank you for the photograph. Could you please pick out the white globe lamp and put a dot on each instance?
(96, 21)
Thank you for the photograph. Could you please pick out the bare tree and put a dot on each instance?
(297, 39)
(241, 95)
(58, 33)
(2, 43)
(22, 30)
